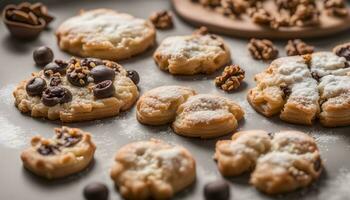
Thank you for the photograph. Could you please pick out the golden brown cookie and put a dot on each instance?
(71, 150)
(152, 170)
(105, 34)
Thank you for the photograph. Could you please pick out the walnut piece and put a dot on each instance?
(262, 49)
(231, 78)
(306, 14)
(162, 19)
(260, 16)
(210, 3)
(232, 7)
(335, 8)
(298, 47)
(201, 31)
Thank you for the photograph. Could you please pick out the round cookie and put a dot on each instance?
(158, 106)
(207, 116)
(152, 170)
(105, 34)
(71, 150)
(280, 162)
(77, 90)
(192, 54)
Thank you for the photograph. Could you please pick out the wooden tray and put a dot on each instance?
(197, 15)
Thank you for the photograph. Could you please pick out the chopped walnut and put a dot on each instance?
(162, 19)
(210, 3)
(290, 5)
(343, 51)
(232, 7)
(282, 19)
(298, 47)
(201, 31)
(307, 58)
(335, 8)
(260, 16)
(306, 14)
(231, 78)
(262, 49)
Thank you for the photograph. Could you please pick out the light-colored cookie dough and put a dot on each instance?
(158, 106)
(71, 150)
(152, 170)
(192, 54)
(298, 89)
(105, 34)
(83, 104)
(280, 162)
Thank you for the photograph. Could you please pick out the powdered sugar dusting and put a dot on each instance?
(12, 136)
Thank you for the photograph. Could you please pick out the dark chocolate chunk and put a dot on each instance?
(96, 191)
(56, 95)
(217, 190)
(43, 55)
(104, 89)
(134, 76)
(101, 73)
(57, 66)
(55, 80)
(46, 150)
(35, 86)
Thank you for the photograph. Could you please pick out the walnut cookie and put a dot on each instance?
(191, 114)
(152, 170)
(77, 90)
(192, 54)
(105, 34)
(279, 162)
(69, 151)
(303, 88)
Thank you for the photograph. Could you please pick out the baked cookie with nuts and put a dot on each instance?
(159, 105)
(304, 88)
(70, 151)
(77, 90)
(105, 34)
(152, 170)
(280, 162)
(207, 116)
(192, 54)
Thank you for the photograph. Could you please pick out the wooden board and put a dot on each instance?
(197, 15)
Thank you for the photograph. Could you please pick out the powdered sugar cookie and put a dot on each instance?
(152, 170)
(207, 116)
(105, 34)
(192, 54)
(158, 106)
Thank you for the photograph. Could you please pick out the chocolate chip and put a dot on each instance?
(68, 140)
(56, 95)
(104, 89)
(101, 73)
(134, 76)
(35, 86)
(217, 190)
(42, 55)
(46, 150)
(96, 191)
(55, 67)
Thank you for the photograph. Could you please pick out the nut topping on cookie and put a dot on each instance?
(77, 75)
(55, 80)
(58, 66)
(90, 62)
(56, 95)
(69, 151)
(35, 86)
(101, 73)
(104, 89)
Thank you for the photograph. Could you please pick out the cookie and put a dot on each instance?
(105, 34)
(158, 106)
(280, 162)
(207, 116)
(192, 54)
(77, 90)
(152, 170)
(70, 151)
(292, 87)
